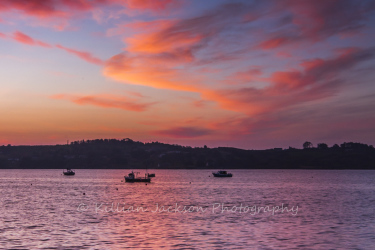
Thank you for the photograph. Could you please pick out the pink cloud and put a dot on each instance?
(284, 54)
(243, 77)
(106, 101)
(83, 55)
(66, 9)
(50, 8)
(155, 6)
(274, 42)
(32, 7)
(25, 39)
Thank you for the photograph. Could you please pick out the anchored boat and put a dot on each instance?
(69, 172)
(222, 173)
(133, 177)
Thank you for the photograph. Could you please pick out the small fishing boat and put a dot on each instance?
(69, 172)
(150, 175)
(222, 173)
(133, 177)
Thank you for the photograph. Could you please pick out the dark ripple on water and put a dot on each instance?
(335, 210)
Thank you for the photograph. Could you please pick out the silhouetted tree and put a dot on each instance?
(307, 144)
(322, 146)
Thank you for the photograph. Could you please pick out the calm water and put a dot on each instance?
(325, 210)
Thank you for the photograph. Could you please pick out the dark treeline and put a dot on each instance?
(129, 154)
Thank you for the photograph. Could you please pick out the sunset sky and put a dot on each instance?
(246, 74)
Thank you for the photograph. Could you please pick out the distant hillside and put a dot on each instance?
(129, 154)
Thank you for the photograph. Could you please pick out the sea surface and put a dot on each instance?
(188, 209)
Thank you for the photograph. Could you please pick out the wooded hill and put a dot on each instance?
(129, 154)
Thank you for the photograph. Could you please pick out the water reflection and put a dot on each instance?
(43, 209)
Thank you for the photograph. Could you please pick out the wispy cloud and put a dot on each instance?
(25, 39)
(106, 101)
(64, 10)
(82, 54)
(161, 58)
(319, 78)
(313, 21)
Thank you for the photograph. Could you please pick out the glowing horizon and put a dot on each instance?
(245, 74)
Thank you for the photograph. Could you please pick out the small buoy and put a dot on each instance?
(84, 193)
(116, 188)
(146, 184)
(31, 184)
(190, 182)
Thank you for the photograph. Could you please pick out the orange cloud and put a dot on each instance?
(106, 101)
(186, 34)
(83, 55)
(147, 71)
(162, 57)
(319, 78)
(25, 39)
(320, 70)
(244, 100)
(163, 41)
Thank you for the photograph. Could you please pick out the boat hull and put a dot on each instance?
(222, 175)
(69, 173)
(137, 179)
